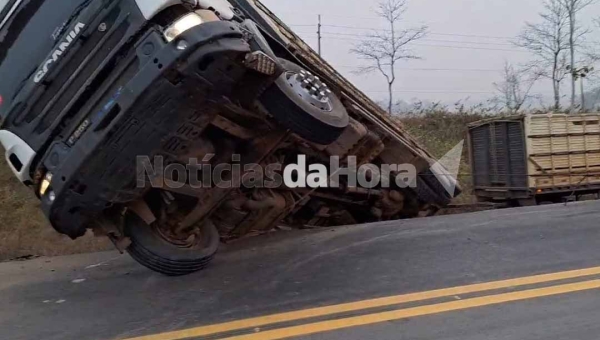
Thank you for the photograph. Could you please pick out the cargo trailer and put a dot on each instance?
(535, 159)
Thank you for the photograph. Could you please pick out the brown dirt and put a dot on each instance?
(25, 231)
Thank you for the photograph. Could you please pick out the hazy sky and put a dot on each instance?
(468, 43)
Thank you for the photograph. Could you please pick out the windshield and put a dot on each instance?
(7, 8)
(3, 4)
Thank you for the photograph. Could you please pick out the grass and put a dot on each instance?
(25, 231)
(439, 131)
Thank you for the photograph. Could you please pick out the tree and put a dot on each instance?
(548, 40)
(573, 7)
(515, 88)
(385, 48)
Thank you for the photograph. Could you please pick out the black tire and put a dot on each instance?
(427, 194)
(292, 111)
(154, 252)
(435, 184)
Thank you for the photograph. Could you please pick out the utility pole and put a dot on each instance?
(572, 44)
(319, 33)
(582, 96)
(580, 74)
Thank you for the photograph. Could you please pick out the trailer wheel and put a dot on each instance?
(302, 103)
(526, 202)
(152, 249)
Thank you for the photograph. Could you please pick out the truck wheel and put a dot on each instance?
(435, 184)
(302, 103)
(428, 195)
(152, 249)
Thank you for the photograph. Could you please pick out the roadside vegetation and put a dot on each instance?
(440, 129)
(24, 230)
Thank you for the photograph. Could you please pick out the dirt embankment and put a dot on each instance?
(25, 231)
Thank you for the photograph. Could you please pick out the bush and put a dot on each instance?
(439, 130)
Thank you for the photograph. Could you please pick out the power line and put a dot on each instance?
(434, 92)
(440, 46)
(506, 38)
(426, 69)
(432, 40)
(432, 33)
(331, 15)
(440, 92)
(336, 36)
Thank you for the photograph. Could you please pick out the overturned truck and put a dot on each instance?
(169, 126)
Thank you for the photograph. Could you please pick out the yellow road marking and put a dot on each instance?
(366, 304)
(326, 326)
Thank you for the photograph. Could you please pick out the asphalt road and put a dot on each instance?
(530, 273)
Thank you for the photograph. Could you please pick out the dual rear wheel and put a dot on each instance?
(302, 103)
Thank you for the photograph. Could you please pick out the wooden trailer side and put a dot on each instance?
(563, 151)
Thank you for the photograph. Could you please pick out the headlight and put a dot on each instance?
(45, 184)
(181, 25)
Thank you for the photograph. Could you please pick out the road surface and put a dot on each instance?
(529, 273)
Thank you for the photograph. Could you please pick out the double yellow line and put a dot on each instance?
(330, 325)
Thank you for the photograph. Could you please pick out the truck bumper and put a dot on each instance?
(19, 155)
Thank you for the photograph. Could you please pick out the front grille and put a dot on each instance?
(93, 61)
(97, 58)
(75, 72)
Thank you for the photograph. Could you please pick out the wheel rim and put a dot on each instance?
(311, 89)
(165, 228)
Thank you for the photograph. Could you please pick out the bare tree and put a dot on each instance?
(515, 88)
(573, 7)
(383, 49)
(548, 40)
